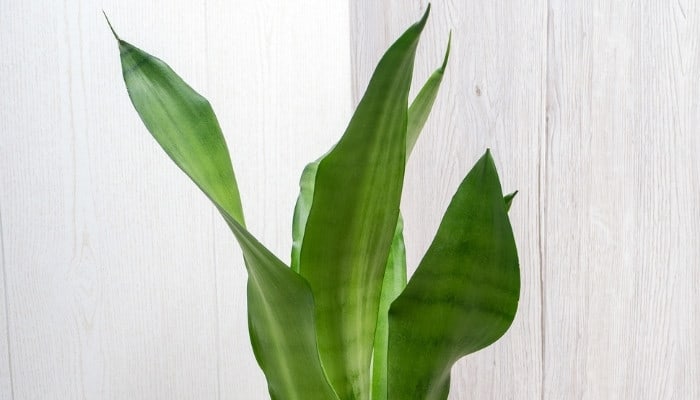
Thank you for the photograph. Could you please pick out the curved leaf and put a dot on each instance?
(464, 294)
(353, 218)
(280, 302)
(281, 324)
(301, 210)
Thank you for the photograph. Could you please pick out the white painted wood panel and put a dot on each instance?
(5, 368)
(279, 78)
(121, 281)
(492, 96)
(621, 222)
(109, 270)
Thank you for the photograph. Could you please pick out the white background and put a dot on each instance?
(121, 282)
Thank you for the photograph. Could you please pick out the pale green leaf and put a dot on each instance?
(353, 219)
(281, 305)
(393, 283)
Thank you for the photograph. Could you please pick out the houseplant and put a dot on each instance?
(342, 322)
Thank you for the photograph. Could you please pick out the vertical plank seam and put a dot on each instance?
(216, 305)
(542, 200)
(217, 308)
(7, 315)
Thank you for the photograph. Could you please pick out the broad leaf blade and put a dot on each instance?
(183, 123)
(281, 319)
(395, 271)
(281, 324)
(418, 114)
(353, 218)
(464, 294)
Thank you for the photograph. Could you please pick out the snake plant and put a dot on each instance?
(342, 322)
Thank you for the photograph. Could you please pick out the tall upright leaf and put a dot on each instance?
(418, 114)
(281, 305)
(353, 218)
(464, 294)
(395, 270)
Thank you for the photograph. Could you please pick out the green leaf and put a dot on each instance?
(301, 210)
(418, 114)
(281, 324)
(394, 282)
(464, 294)
(395, 270)
(183, 123)
(353, 218)
(420, 108)
(281, 306)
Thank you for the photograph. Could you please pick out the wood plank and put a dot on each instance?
(5, 359)
(279, 78)
(492, 96)
(621, 216)
(107, 245)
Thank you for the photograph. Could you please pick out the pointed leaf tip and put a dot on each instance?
(110, 26)
(424, 18)
(447, 53)
(349, 294)
(509, 199)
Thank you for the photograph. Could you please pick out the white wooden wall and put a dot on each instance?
(120, 282)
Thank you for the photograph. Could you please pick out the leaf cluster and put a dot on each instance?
(342, 322)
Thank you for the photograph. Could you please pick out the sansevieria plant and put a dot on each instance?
(341, 322)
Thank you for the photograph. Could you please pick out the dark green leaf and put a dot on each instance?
(463, 295)
(509, 199)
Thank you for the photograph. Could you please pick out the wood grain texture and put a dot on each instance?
(122, 281)
(621, 218)
(492, 96)
(5, 367)
(109, 269)
(279, 78)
